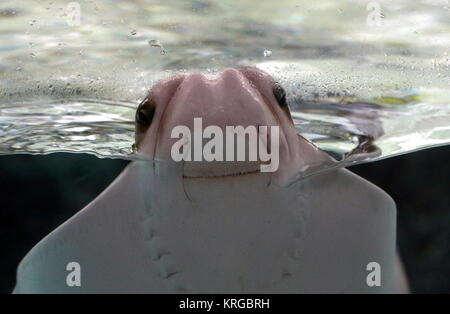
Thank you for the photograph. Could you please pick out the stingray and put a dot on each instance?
(221, 226)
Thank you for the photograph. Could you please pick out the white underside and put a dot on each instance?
(153, 232)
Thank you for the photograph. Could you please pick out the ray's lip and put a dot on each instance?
(229, 175)
(207, 171)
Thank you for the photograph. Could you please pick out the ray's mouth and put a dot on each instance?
(217, 170)
(218, 176)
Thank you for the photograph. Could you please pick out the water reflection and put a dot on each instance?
(359, 90)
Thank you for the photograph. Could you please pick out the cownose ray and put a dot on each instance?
(221, 227)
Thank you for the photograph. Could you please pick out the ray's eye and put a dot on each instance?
(145, 113)
(280, 95)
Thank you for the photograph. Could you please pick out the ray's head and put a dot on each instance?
(244, 97)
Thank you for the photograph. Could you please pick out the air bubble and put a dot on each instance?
(267, 53)
(156, 43)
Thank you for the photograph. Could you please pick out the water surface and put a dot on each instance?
(360, 86)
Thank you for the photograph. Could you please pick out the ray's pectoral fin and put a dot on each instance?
(303, 159)
(103, 240)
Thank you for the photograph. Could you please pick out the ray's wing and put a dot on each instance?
(103, 239)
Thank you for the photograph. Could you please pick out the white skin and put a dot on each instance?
(221, 226)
